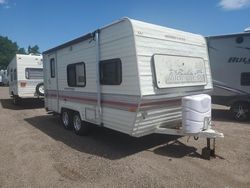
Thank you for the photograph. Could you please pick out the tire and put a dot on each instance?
(240, 111)
(40, 89)
(15, 100)
(66, 119)
(80, 127)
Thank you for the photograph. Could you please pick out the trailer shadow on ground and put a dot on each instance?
(225, 116)
(177, 149)
(24, 104)
(111, 144)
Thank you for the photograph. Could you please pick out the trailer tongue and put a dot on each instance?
(196, 122)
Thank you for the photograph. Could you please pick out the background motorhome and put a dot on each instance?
(230, 64)
(25, 74)
(144, 71)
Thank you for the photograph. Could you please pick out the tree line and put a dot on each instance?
(8, 49)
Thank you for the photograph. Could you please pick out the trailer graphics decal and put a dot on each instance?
(226, 87)
(179, 71)
(180, 75)
(244, 60)
(246, 48)
(118, 101)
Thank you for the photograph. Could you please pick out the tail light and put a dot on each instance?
(23, 84)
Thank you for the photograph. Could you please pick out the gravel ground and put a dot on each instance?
(36, 151)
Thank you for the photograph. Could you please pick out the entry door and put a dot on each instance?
(52, 89)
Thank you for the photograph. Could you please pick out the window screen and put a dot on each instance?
(52, 68)
(76, 76)
(245, 78)
(111, 72)
(34, 73)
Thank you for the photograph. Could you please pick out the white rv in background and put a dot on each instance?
(1, 80)
(25, 74)
(3, 77)
(129, 76)
(230, 64)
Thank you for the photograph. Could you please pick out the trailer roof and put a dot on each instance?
(92, 34)
(229, 35)
(77, 40)
(29, 55)
(82, 38)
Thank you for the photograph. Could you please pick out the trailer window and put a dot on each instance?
(245, 78)
(34, 73)
(11, 75)
(111, 72)
(52, 68)
(15, 74)
(76, 75)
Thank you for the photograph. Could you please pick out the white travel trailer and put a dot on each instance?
(3, 77)
(230, 64)
(1, 80)
(129, 76)
(25, 74)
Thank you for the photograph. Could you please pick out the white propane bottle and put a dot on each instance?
(196, 109)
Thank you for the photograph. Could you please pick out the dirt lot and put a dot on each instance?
(36, 151)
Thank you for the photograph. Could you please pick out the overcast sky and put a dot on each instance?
(48, 23)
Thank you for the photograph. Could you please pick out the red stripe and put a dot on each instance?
(118, 103)
(103, 101)
(77, 98)
(177, 101)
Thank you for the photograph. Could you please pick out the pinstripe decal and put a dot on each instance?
(225, 87)
(124, 102)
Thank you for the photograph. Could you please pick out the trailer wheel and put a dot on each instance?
(240, 111)
(15, 99)
(66, 118)
(80, 127)
(40, 89)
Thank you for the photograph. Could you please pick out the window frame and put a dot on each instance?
(118, 63)
(74, 65)
(14, 74)
(52, 71)
(28, 77)
(11, 75)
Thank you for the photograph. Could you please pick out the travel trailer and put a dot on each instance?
(131, 77)
(230, 64)
(1, 80)
(3, 77)
(25, 74)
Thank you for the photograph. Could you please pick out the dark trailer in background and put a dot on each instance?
(230, 65)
